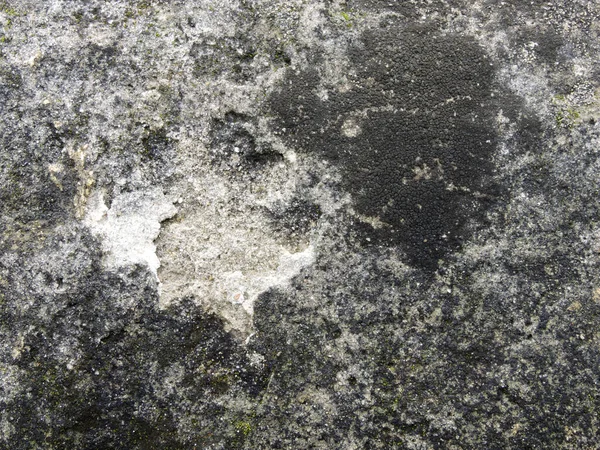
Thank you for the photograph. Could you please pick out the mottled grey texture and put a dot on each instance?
(376, 221)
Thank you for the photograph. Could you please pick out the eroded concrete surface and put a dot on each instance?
(299, 225)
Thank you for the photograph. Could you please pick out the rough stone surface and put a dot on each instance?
(252, 224)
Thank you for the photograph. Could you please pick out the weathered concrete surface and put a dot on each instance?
(299, 224)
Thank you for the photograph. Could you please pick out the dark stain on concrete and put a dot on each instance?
(414, 136)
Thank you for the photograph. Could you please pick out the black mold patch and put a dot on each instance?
(414, 136)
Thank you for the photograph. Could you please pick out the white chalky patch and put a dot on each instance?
(128, 229)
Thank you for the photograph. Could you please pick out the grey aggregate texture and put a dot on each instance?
(327, 224)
